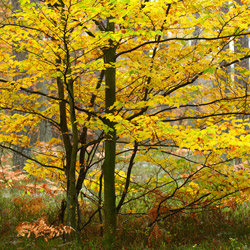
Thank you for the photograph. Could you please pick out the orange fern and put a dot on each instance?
(40, 228)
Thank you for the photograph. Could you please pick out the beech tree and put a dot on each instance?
(130, 85)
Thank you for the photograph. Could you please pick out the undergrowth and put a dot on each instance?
(27, 201)
(216, 229)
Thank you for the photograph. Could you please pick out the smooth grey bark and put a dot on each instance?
(44, 126)
(241, 81)
(226, 69)
(242, 43)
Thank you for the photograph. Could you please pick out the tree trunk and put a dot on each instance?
(44, 126)
(243, 43)
(71, 195)
(110, 149)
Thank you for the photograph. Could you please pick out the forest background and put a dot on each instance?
(129, 112)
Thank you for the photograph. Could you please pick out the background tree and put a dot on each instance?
(18, 159)
(241, 44)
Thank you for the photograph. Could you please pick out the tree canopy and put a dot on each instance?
(145, 95)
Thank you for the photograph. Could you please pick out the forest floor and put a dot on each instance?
(216, 228)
